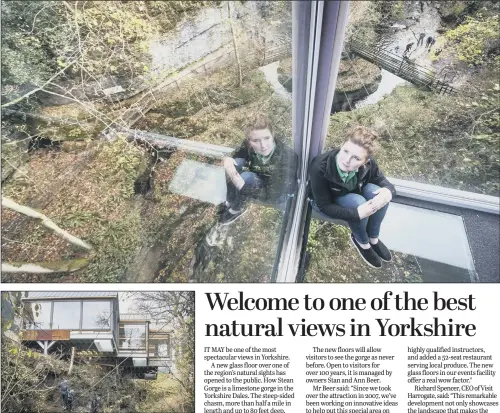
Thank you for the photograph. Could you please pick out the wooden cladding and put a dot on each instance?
(30, 335)
(49, 335)
(60, 335)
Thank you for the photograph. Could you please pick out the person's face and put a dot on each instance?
(261, 141)
(352, 156)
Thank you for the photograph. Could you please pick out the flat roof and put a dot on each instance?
(36, 295)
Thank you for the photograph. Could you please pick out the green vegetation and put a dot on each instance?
(88, 193)
(355, 74)
(437, 139)
(442, 139)
(367, 17)
(214, 109)
(88, 187)
(163, 395)
(173, 392)
(334, 259)
(84, 39)
(473, 41)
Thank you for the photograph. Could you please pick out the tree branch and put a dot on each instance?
(13, 102)
(8, 203)
(44, 267)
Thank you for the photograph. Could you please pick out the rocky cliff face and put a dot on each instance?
(257, 26)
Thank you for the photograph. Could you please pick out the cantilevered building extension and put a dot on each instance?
(90, 325)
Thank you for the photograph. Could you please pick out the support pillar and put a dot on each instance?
(46, 345)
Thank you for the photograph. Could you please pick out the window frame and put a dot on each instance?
(80, 322)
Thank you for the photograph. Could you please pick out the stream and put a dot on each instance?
(387, 84)
(271, 74)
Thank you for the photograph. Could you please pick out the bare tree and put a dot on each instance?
(177, 309)
(235, 44)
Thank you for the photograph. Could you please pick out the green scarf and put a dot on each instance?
(263, 160)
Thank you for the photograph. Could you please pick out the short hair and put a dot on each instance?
(257, 121)
(364, 137)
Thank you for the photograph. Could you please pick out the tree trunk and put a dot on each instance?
(240, 79)
(72, 360)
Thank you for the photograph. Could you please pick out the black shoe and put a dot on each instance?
(227, 217)
(382, 251)
(368, 255)
(221, 208)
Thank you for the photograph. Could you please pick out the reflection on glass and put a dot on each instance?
(96, 315)
(66, 315)
(180, 84)
(411, 82)
(263, 169)
(132, 336)
(38, 315)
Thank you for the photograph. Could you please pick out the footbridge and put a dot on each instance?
(403, 67)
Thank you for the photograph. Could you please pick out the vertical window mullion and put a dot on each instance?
(306, 49)
(81, 315)
(325, 42)
(51, 315)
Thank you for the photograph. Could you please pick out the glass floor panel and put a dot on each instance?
(244, 251)
(204, 182)
(438, 241)
(427, 246)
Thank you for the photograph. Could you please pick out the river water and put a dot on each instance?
(271, 74)
(387, 84)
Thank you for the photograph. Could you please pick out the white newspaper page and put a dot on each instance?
(347, 349)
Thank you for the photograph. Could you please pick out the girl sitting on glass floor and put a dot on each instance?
(263, 168)
(347, 184)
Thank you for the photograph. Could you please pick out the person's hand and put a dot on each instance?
(382, 198)
(232, 173)
(366, 209)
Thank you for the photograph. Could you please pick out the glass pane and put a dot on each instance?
(426, 246)
(405, 106)
(132, 337)
(406, 74)
(159, 343)
(194, 100)
(38, 314)
(66, 315)
(96, 315)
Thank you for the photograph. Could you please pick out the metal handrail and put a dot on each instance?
(402, 67)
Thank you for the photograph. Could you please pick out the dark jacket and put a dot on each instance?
(326, 184)
(279, 174)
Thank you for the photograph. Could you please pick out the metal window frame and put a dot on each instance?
(317, 32)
